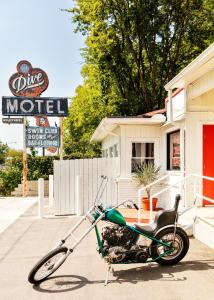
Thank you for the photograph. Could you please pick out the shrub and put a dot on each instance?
(146, 173)
(40, 167)
(11, 175)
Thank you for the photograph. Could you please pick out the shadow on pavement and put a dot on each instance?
(65, 283)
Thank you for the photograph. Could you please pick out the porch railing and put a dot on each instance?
(183, 179)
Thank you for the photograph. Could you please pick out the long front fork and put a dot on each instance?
(79, 239)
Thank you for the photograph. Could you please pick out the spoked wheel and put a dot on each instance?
(180, 246)
(47, 265)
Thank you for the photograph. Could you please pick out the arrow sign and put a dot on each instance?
(12, 120)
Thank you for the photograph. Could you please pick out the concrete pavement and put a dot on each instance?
(82, 276)
(13, 207)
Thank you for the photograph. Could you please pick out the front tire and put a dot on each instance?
(180, 245)
(47, 265)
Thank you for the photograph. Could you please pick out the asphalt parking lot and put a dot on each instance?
(82, 276)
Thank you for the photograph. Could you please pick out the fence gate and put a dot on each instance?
(76, 183)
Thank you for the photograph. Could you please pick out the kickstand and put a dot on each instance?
(109, 269)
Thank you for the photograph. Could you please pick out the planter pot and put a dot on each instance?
(146, 203)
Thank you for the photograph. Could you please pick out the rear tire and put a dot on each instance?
(50, 263)
(181, 246)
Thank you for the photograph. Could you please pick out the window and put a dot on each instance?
(142, 152)
(116, 154)
(173, 150)
(106, 153)
(111, 151)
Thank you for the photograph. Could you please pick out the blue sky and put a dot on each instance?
(38, 31)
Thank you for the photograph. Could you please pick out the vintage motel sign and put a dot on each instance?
(34, 106)
(42, 137)
(27, 85)
(28, 81)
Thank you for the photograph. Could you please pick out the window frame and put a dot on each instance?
(143, 158)
(115, 150)
(111, 151)
(168, 150)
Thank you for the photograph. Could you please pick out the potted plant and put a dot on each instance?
(144, 174)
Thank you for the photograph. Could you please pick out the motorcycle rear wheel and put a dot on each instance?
(47, 265)
(180, 246)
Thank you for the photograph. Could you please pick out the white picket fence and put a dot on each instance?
(76, 183)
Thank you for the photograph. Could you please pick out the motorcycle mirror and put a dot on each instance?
(128, 206)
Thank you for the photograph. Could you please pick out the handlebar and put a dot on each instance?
(135, 205)
(102, 209)
(132, 202)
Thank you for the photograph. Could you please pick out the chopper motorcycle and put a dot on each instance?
(118, 243)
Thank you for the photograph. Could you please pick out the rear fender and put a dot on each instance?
(168, 226)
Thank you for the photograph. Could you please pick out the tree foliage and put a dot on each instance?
(13, 153)
(3, 152)
(142, 44)
(88, 107)
(133, 48)
(10, 177)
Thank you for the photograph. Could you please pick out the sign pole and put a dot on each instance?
(24, 159)
(61, 137)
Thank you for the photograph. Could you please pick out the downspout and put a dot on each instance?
(170, 106)
(182, 162)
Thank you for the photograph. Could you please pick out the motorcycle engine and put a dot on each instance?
(119, 244)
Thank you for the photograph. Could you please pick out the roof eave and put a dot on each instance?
(108, 125)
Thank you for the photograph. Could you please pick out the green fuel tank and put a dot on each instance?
(114, 216)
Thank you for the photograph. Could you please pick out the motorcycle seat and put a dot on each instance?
(147, 229)
(162, 218)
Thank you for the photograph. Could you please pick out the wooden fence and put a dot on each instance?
(76, 183)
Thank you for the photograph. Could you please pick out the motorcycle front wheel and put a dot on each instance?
(180, 246)
(47, 265)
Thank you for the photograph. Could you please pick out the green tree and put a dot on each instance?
(133, 48)
(3, 152)
(142, 44)
(10, 177)
(33, 151)
(13, 153)
(11, 174)
(90, 104)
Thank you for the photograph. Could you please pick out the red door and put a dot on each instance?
(208, 162)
